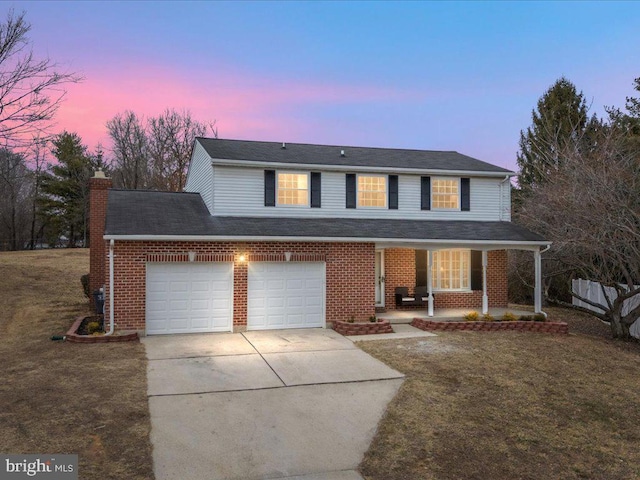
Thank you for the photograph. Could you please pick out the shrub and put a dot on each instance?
(539, 317)
(93, 328)
(509, 317)
(84, 280)
(471, 317)
(488, 317)
(373, 319)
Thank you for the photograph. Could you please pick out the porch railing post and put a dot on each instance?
(429, 281)
(537, 294)
(485, 298)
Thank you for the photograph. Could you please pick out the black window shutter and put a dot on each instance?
(316, 188)
(393, 192)
(425, 193)
(422, 266)
(269, 188)
(465, 194)
(476, 270)
(351, 190)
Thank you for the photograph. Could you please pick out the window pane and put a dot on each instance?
(450, 269)
(293, 189)
(444, 193)
(372, 191)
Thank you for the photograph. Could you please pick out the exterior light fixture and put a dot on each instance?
(192, 256)
(242, 258)
(287, 256)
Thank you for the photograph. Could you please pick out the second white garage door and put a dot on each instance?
(285, 295)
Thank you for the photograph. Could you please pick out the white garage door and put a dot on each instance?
(285, 295)
(189, 297)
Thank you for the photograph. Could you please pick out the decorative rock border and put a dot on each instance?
(362, 328)
(544, 327)
(73, 337)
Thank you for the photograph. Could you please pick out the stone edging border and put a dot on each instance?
(543, 327)
(362, 328)
(73, 337)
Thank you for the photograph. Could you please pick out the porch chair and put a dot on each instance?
(403, 299)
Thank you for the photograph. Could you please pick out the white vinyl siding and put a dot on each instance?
(239, 191)
(200, 178)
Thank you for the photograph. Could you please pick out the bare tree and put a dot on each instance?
(15, 196)
(154, 154)
(590, 208)
(130, 151)
(170, 139)
(31, 90)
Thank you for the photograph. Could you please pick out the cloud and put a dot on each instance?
(244, 106)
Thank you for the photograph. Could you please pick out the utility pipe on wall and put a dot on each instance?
(111, 316)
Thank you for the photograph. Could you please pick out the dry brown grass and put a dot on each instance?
(58, 397)
(510, 405)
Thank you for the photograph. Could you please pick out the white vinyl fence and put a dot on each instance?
(593, 291)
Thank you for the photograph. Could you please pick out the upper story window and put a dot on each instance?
(445, 194)
(451, 270)
(293, 189)
(372, 191)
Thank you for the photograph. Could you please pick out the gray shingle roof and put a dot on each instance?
(137, 212)
(307, 154)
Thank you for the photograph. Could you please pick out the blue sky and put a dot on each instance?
(430, 75)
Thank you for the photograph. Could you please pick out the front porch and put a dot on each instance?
(444, 314)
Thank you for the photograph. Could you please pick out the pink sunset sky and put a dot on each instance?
(443, 76)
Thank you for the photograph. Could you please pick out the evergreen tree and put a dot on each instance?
(65, 191)
(559, 119)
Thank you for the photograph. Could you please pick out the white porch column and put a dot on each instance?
(485, 298)
(537, 294)
(429, 280)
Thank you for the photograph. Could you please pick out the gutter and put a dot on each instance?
(502, 195)
(111, 302)
(357, 168)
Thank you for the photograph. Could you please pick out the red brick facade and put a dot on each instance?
(350, 274)
(98, 211)
(400, 271)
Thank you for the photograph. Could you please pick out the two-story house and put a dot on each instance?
(272, 235)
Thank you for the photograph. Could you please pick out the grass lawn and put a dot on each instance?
(511, 405)
(59, 397)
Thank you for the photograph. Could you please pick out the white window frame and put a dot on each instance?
(288, 205)
(386, 191)
(433, 181)
(435, 273)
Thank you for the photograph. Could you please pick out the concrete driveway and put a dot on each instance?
(295, 404)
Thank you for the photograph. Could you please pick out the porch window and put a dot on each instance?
(372, 191)
(293, 189)
(451, 270)
(445, 194)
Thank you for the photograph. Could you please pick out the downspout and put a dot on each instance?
(111, 315)
(541, 252)
(502, 197)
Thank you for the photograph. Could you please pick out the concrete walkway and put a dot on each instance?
(295, 404)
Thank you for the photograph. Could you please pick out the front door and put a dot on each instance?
(379, 278)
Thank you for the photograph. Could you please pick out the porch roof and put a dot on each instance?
(144, 215)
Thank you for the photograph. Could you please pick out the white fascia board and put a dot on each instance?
(380, 242)
(349, 168)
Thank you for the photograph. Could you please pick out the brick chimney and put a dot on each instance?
(98, 191)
